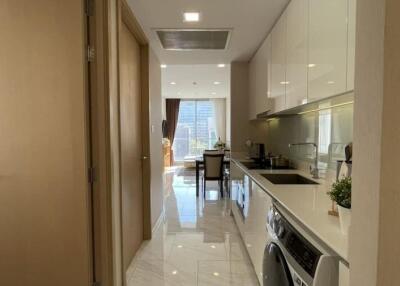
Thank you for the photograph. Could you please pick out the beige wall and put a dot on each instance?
(44, 214)
(239, 127)
(156, 155)
(375, 230)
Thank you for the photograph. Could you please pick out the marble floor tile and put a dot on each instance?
(198, 242)
(226, 273)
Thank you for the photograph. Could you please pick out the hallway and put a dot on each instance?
(197, 244)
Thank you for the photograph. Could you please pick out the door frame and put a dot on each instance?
(103, 26)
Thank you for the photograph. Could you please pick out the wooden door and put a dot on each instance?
(131, 144)
(44, 215)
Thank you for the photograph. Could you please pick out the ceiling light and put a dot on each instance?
(191, 17)
(173, 83)
(311, 65)
(330, 82)
(213, 93)
(216, 82)
(180, 246)
(213, 246)
(174, 272)
(221, 65)
(284, 82)
(216, 274)
(163, 66)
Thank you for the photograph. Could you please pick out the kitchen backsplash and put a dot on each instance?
(330, 128)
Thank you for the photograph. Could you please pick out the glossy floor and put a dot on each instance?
(197, 244)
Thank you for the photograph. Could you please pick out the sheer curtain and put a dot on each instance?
(220, 117)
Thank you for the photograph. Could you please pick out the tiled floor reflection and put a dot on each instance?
(198, 244)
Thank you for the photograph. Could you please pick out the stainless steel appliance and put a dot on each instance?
(293, 258)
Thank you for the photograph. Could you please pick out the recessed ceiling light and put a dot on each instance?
(213, 246)
(284, 82)
(221, 65)
(213, 93)
(163, 66)
(216, 274)
(174, 272)
(311, 65)
(173, 83)
(191, 17)
(331, 82)
(216, 82)
(180, 246)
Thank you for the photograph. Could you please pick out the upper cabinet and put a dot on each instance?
(296, 53)
(258, 80)
(309, 55)
(327, 48)
(278, 65)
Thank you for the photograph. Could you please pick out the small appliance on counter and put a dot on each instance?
(344, 168)
(257, 152)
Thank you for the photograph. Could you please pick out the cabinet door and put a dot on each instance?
(351, 50)
(263, 55)
(258, 80)
(296, 53)
(327, 48)
(252, 88)
(255, 233)
(278, 65)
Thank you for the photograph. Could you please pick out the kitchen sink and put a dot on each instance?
(288, 179)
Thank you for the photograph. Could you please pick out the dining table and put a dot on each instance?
(200, 165)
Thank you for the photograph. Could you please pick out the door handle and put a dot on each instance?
(145, 158)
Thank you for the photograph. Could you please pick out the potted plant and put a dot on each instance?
(219, 144)
(341, 194)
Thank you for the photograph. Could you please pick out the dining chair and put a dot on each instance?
(213, 170)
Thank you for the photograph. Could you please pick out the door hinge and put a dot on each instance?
(90, 54)
(91, 175)
(89, 7)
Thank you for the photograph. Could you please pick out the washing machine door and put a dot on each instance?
(275, 269)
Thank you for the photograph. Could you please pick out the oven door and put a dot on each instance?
(275, 268)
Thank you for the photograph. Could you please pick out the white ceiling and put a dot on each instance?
(250, 20)
(203, 75)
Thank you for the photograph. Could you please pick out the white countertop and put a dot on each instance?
(308, 204)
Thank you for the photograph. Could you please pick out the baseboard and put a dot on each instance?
(159, 222)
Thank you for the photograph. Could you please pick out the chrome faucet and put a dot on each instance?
(314, 171)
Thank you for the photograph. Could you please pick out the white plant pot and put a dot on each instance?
(345, 219)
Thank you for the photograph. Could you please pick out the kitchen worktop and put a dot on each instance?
(308, 204)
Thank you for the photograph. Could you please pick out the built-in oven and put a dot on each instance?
(291, 258)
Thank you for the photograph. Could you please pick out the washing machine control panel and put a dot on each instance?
(303, 252)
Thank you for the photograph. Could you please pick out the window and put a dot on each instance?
(195, 130)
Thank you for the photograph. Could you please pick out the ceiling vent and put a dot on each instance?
(188, 40)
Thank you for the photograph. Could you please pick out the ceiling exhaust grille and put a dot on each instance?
(194, 39)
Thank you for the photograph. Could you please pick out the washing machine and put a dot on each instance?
(294, 258)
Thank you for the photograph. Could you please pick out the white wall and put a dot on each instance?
(375, 230)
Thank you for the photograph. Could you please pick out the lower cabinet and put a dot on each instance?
(250, 208)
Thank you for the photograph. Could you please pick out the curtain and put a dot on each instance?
(172, 113)
(220, 118)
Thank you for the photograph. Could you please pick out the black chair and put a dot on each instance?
(213, 170)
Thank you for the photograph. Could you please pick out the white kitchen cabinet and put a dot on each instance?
(255, 234)
(278, 65)
(327, 48)
(351, 44)
(258, 80)
(296, 53)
